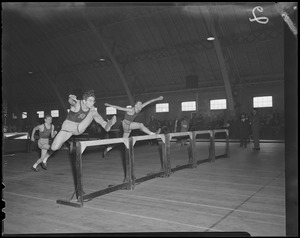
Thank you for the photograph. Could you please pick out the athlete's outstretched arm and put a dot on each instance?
(118, 108)
(152, 100)
(72, 100)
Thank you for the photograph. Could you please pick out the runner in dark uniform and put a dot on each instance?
(80, 116)
(128, 122)
(45, 131)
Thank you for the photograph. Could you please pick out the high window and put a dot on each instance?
(188, 106)
(266, 101)
(162, 107)
(218, 104)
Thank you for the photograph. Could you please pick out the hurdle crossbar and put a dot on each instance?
(147, 137)
(16, 135)
(178, 134)
(85, 144)
(9, 137)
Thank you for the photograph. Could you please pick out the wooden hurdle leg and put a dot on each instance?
(160, 151)
(168, 154)
(164, 162)
(227, 152)
(72, 158)
(79, 190)
(74, 167)
(28, 145)
(212, 152)
(131, 163)
(129, 176)
(192, 148)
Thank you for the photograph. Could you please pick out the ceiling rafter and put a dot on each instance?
(105, 21)
(171, 51)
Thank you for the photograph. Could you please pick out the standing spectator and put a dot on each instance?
(176, 126)
(226, 125)
(243, 125)
(276, 117)
(249, 128)
(255, 127)
(154, 125)
(169, 126)
(193, 122)
(184, 127)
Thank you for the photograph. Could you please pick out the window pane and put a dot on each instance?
(54, 113)
(24, 115)
(162, 107)
(111, 111)
(218, 104)
(266, 101)
(40, 114)
(188, 106)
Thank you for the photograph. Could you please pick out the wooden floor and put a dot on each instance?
(245, 192)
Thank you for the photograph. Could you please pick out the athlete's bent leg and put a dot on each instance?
(58, 141)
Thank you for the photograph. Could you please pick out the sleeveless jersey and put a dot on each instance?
(45, 133)
(130, 118)
(77, 116)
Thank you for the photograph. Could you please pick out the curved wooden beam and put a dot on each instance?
(115, 63)
(217, 45)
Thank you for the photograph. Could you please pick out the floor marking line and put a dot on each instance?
(197, 204)
(27, 196)
(122, 213)
(246, 200)
(215, 192)
(166, 200)
(151, 218)
(232, 183)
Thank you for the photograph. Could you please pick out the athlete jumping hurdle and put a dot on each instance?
(128, 121)
(81, 114)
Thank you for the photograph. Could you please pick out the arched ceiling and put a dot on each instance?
(156, 46)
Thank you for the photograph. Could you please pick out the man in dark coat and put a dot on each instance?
(255, 127)
(176, 125)
(154, 125)
(243, 126)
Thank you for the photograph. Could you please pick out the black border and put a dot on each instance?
(291, 129)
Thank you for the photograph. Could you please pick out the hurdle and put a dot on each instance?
(164, 166)
(210, 149)
(15, 142)
(213, 149)
(130, 180)
(73, 139)
(77, 172)
(191, 151)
